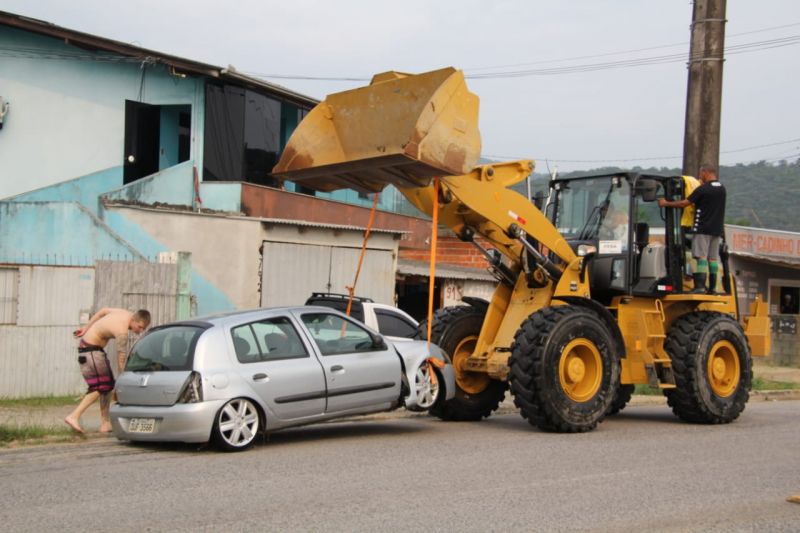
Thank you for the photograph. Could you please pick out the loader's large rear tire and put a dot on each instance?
(621, 399)
(713, 368)
(456, 330)
(564, 371)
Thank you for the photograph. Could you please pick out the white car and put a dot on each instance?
(390, 321)
(227, 378)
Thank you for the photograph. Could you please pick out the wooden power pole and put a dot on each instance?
(704, 92)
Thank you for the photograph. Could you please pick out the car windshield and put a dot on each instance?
(593, 208)
(162, 349)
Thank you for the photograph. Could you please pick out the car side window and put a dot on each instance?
(278, 339)
(335, 335)
(393, 324)
(267, 340)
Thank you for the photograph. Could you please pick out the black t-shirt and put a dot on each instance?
(709, 212)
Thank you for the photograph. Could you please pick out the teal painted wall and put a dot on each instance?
(86, 190)
(57, 233)
(221, 196)
(172, 186)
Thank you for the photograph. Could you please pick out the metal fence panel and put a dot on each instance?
(9, 291)
(54, 296)
(39, 361)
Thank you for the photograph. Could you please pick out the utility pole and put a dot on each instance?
(704, 91)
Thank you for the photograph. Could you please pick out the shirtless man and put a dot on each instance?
(105, 325)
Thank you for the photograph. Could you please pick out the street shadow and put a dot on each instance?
(327, 431)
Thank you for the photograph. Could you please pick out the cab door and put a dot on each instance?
(358, 373)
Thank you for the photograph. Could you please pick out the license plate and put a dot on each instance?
(142, 425)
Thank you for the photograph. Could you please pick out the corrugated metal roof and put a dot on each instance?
(94, 42)
(422, 268)
(310, 224)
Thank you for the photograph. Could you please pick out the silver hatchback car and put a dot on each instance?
(227, 378)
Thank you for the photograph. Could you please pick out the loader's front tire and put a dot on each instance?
(456, 330)
(563, 369)
(712, 365)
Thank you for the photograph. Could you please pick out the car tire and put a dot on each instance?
(426, 391)
(236, 425)
(455, 330)
(712, 366)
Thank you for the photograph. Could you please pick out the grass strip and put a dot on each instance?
(41, 401)
(13, 433)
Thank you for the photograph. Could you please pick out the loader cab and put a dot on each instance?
(638, 245)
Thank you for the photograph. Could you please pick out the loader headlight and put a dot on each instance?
(586, 249)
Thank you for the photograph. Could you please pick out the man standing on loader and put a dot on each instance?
(708, 227)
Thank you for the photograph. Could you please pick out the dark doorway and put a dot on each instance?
(142, 124)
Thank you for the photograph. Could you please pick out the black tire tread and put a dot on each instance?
(462, 407)
(686, 400)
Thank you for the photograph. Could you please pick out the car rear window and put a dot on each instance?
(340, 304)
(163, 349)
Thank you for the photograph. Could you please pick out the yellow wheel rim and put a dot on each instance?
(580, 370)
(469, 382)
(723, 369)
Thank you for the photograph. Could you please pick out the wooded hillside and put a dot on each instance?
(765, 195)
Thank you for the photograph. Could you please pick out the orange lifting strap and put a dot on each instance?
(434, 234)
(352, 290)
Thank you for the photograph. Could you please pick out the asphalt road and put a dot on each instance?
(643, 470)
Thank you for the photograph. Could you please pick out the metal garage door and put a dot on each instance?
(291, 272)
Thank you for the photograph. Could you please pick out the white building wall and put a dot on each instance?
(67, 116)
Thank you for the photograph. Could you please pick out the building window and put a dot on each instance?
(245, 132)
(789, 301)
(9, 295)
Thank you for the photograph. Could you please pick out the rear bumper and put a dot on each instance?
(186, 422)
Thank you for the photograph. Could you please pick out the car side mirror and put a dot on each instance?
(378, 344)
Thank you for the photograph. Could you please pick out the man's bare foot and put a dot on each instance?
(71, 422)
(105, 427)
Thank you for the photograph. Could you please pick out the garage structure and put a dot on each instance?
(767, 262)
(299, 258)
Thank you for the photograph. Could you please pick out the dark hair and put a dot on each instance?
(143, 316)
(708, 168)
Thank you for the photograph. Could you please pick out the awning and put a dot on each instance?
(422, 268)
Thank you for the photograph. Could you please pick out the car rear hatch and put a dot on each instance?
(160, 366)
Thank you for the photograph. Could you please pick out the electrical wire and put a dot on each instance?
(635, 159)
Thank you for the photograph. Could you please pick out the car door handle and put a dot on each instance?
(260, 377)
(337, 368)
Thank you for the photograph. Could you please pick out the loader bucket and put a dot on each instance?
(402, 129)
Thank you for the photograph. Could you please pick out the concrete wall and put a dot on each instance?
(64, 233)
(226, 250)
(85, 190)
(67, 112)
(172, 186)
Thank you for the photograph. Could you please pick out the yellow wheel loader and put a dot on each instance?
(591, 296)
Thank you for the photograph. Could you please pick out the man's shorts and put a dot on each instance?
(705, 247)
(96, 370)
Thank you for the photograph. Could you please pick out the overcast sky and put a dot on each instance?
(576, 120)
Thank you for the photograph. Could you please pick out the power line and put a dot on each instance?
(635, 159)
(755, 46)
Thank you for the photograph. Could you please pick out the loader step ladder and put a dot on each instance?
(659, 370)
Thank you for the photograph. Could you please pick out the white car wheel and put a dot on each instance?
(236, 425)
(426, 387)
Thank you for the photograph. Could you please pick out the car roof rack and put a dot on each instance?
(337, 296)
